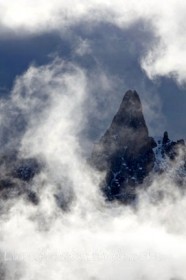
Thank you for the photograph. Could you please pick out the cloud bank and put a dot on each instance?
(73, 233)
(166, 58)
(89, 239)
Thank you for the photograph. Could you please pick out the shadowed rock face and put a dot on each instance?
(126, 154)
(16, 175)
(171, 148)
(125, 151)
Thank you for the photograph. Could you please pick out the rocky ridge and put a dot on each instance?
(128, 155)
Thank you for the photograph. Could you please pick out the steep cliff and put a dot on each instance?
(125, 152)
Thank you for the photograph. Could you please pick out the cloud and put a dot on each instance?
(166, 58)
(56, 102)
(91, 240)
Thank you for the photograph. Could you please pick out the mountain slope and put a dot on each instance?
(125, 151)
(128, 155)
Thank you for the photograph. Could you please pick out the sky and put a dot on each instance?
(133, 45)
(64, 69)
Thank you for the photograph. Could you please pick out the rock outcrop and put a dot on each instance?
(125, 152)
(16, 175)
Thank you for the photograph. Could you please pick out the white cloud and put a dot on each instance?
(168, 21)
(52, 99)
(83, 48)
(93, 240)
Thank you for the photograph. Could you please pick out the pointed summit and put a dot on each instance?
(166, 139)
(130, 117)
(125, 150)
(128, 129)
(130, 107)
(132, 99)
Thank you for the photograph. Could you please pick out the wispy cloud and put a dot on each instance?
(73, 233)
(166, 58)
(92, 240)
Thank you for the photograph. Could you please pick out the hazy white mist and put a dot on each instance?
(167, 21)
(91, 239)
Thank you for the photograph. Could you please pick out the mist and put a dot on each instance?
(73, 233)
(165, 58)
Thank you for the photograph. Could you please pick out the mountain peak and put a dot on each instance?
(125, 150)
(131, 98)
(131, 94)
(130, 113)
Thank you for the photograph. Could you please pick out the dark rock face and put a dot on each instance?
(26, 169)
(171, 159)
(16, 175)
(125, 151)
(171, 148)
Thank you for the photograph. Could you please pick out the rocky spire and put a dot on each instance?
(166, 139)
(130, 112)
(125, 150)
